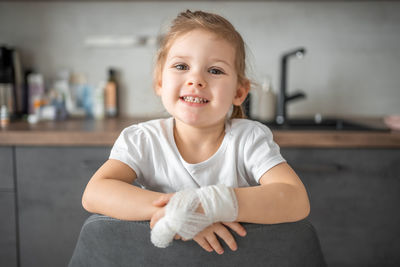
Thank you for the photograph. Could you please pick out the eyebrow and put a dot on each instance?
(180, 57)
(213, 59)
(220, 60)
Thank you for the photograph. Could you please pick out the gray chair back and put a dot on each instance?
(105, 241)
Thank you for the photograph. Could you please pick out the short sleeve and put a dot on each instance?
(261, 153)
(129, 148)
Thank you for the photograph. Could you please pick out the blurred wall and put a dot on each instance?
(352, 65)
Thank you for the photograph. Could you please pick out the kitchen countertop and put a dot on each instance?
(80, 132)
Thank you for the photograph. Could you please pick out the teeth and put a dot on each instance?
(194, 99)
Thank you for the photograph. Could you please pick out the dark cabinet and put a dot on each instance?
(354, 194)
(8, 233)
(50, 184)
(355, 199)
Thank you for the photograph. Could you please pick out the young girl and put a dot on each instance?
(206, 168)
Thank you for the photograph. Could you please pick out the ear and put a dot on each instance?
(158, 86)
(241, 93)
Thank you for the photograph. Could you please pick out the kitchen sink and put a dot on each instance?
(328, 124)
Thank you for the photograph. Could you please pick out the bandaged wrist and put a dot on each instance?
(180, 218)
(218, 202)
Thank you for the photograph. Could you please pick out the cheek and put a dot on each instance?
(169, 92)
(170, 79)
(228, 90)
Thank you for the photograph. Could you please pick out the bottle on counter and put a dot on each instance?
(35, 90)
(88, 100)
(4, 117)
(6, 96)
(79, 94)
(254, 95)
(267, 102)
(111, 94)
(98, 101)
(61, 85)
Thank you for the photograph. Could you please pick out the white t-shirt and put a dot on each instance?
(149, 148)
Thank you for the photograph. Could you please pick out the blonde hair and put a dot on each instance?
(188, 21)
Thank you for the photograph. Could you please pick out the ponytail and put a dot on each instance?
(238, 113)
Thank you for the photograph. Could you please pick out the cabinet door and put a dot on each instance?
(8, 237)
(355, 199)
(6, 167)
(50, 183)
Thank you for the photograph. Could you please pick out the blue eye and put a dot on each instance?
(181, 67)
(216, 71)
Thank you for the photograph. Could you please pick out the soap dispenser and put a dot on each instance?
(267, 102)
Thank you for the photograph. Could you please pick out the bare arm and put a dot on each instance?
(281, 197)
(110, 192)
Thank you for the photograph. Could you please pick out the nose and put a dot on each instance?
(196, 81)
(199, 84)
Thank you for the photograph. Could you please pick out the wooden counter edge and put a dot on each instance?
(336, 139)
(43, 138)
(316, 139)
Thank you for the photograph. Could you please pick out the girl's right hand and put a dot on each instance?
(161, 202)
(207, 238)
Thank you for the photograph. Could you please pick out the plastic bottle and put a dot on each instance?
(36, 90)
(267, 102)
(255, 101)
(36, 115)
(98, 101)
(78, 88)
(111, 94)
(61, 85)
(6, 96)
(88, 100)
(4, 116)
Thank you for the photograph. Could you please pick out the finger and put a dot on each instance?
(237, 227)
(225, 235)
(156, 217)
(213, 241)
(162, 200)
(152, 222)
(203, 243)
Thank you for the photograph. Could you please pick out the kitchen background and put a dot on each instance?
(351, 66)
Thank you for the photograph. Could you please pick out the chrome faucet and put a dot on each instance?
(283, 98)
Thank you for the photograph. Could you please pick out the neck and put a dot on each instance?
(199, 137)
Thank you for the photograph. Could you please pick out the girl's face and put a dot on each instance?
(199, 81)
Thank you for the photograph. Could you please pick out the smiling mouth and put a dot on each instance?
(192, 99)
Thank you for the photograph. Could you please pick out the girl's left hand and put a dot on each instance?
(207, 238)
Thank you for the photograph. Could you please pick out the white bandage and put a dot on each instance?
(219, 204)
(180, 218)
